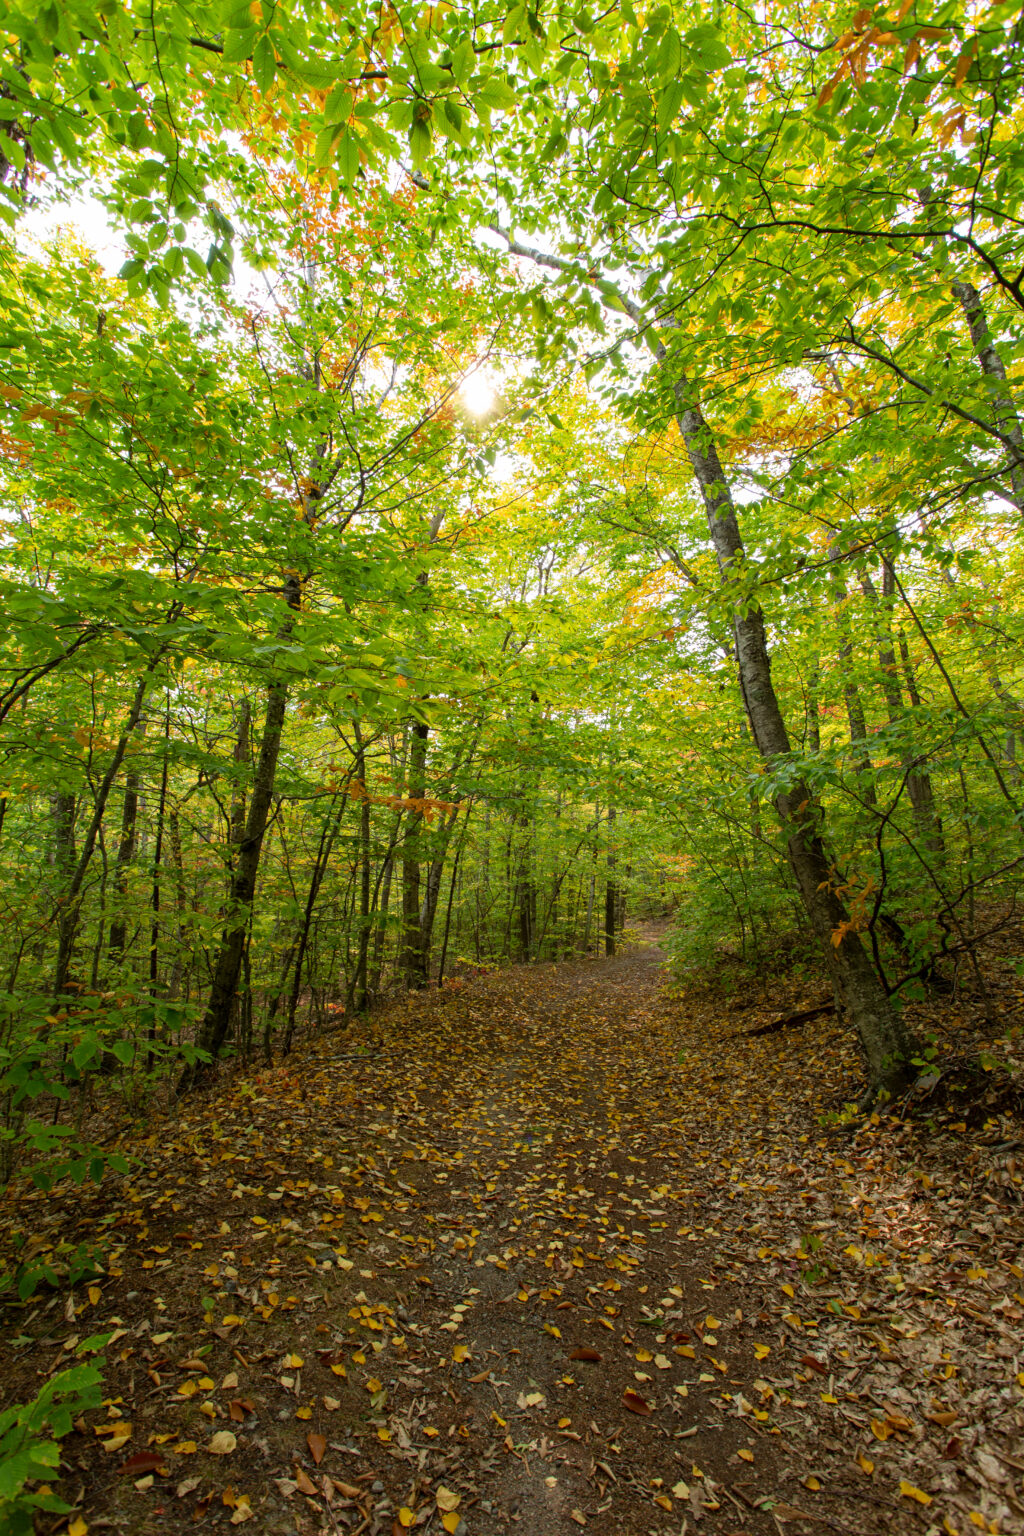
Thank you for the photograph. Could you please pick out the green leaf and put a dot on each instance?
(264, 65)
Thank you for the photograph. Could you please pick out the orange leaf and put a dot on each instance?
(317, 1446)
(635, 1403)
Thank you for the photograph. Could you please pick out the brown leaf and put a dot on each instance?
(304, 1483)
(587, 1354)
(346, 1489)
(635, 1403)
(317, 1446)
(142, 1461)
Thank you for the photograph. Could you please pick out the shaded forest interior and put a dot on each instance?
(488, 496)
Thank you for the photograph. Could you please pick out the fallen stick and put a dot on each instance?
(789, 1020)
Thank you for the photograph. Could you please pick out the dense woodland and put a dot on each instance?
(527, 471)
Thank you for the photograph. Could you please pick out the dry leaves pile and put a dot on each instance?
(563, 1253)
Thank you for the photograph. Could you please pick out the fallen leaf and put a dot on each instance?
(447, 1501)
(908, 1491)
(317, 1447)
(584, 1353)
(635, 1403)
(142, 1461)
(222, 1443)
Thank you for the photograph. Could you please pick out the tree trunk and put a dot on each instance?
(885, 1040)
(122, 864)
(611, 890)
(226, 967)
(414, 957)
(359, 985)
(851, 693)
(1004, 412)
(71, 905)
(918, 781)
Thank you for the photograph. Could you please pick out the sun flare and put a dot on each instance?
(477, 394)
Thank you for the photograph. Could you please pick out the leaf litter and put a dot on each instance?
(564, 1251)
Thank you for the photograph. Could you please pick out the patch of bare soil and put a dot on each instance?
(559, 1251)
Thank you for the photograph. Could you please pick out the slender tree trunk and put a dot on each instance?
(71, 906)
(611, 890)
(178, 865)
(851, 693)
(1003, 410)
(323, 856)
(359, 989)
(414, 958)
(228, 962)
(919, 784)
(122, 864)
(885, 1040)
(813, 715)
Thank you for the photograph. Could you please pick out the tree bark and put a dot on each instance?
(414, 957)
(611, 890)
(214, 1028)
(886, 1042)
(1004, 412)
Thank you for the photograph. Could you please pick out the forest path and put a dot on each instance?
(547, 1250)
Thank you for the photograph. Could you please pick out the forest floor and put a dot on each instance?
(553, 1250)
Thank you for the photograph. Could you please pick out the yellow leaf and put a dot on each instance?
(185, 1448)
(686, 1352)
(77, 1527)
(865, 1463)
(303, 1413)
(663, 1501)
(188, 1389)
(384, 1434)
(908, 1491)
(761, 1351)
(94, 1294)
(222, 1443)
(564, 1423)
(880, 1429)
(431, 1433)
(812, 1483)
(206, 1383)
(745, 1455)
(372, 1384)
(231, 1321)
(713, 1322)
(447, 1501)
(339, 1370)
(556, 1333)
(294, 1362)
(460, 1353)
(450, 1521)
(405, 1517)
(789, 1291)
(643, 1355)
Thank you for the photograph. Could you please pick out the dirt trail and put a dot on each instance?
(528, 1256)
